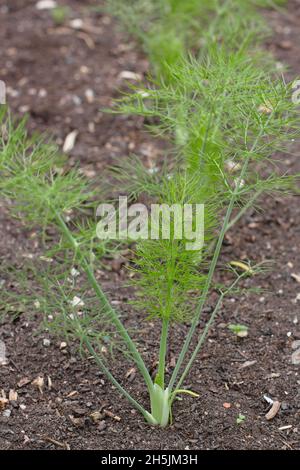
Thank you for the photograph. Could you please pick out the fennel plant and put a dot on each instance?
(227, 115)
(246, 123)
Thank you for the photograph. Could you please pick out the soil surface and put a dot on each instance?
(62, 76)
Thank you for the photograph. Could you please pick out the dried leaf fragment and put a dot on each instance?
(64, 445)
(96, 416)
(296, 277)
(130, 374)
(72, 394)
(49, 382)
(273, 411)
(3, 403)
(70, 141)
(23, 382)
(39, 383)
(111, 415)
(284, 428)
(265, 108)
(247, 364)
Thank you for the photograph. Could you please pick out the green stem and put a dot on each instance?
(214, 261)
(112, 379)
(105, 303)
(85, 340)
(244, 209)
(160, 405)
(199, 344)
(205, 332)
(207, 284)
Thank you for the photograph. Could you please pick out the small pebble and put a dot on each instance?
(296, 344)
(296, 357)
(3, 359)
(102, 425)
(77, 23)
(90, 95)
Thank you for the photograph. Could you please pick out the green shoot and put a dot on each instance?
(239, 330)
(60, 14)
(240, 419)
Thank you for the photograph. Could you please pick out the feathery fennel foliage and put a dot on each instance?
(212, 111)
(235, 118)
(169, 30)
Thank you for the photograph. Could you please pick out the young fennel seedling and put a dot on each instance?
(230, 118)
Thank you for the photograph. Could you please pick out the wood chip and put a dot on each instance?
(111, 415)
(72, 394)
(247, 364)
(3, 403)
(77, 422)
(49, 383)
(172, 363)
(3, 359)
(273, 411)
(283, 428)
(273, 375)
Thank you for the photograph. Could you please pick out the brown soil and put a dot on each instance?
(48, 70)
